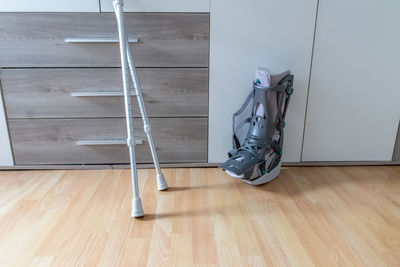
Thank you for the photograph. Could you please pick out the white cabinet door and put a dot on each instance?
(159, 6)
(6, 158)
(274, 34)
(49, 6)
(354, 99)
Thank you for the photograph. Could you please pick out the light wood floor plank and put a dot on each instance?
(309, 216)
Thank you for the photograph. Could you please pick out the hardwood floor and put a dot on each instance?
(309, 216)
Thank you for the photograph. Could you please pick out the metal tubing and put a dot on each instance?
(137, 210)
(161, 183)
(105, 142)
(99, 93)
(96, 40)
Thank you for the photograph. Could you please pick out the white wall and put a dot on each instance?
(276, 34)
(6, 158)
(49, 6)
(354, 101)
(160, 6)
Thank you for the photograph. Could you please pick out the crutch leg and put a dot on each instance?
(161, 183)
(137, 210)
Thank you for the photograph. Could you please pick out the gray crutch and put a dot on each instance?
(128, 68)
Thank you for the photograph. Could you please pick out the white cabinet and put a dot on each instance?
(274, 34)
(6, 158)
(104, 6)
(354, 99)
(49, 6)
(159, 6)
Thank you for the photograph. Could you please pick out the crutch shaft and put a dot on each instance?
(137, 209)
(161, 183)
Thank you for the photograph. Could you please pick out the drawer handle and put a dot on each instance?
(97, 40)
(111, 93)
(138, 141)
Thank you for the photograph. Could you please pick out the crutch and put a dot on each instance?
(128, 68)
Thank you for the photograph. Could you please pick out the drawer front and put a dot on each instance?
(54, 141)
(165, 39)
(57, 93)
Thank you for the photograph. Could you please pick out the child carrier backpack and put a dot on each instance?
(258, 131)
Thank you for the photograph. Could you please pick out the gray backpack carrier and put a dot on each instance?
(258, 138)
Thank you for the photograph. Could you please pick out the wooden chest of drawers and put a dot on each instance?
(62, 86)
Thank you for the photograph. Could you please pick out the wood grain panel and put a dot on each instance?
(46, 93)
(336, 216)
(53, 141)
(166, 39)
